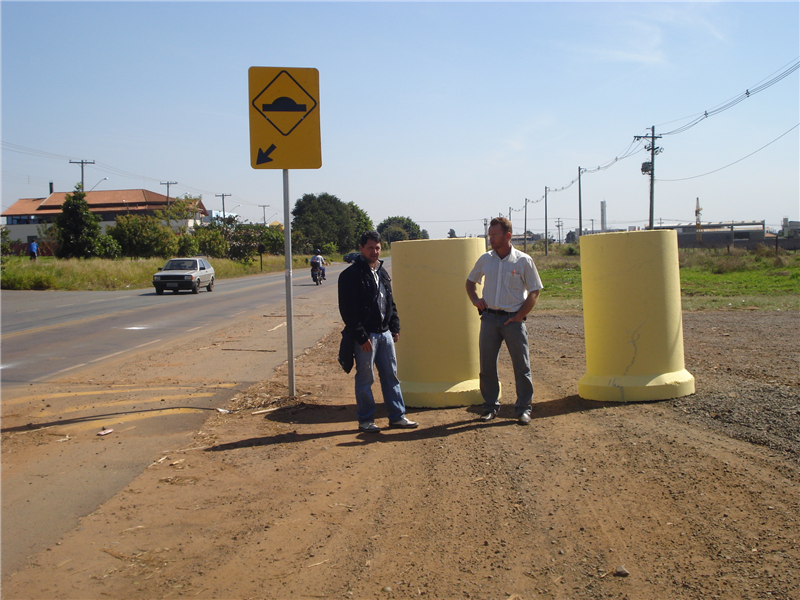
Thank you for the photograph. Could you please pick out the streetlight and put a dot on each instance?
(98, 183)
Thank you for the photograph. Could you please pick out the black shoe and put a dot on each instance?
(488, 415)
(525, 418)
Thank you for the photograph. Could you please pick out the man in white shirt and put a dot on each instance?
(510, 291)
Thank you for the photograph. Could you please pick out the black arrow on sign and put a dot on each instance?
(263, 157)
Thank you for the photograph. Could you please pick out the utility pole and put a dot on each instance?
(265, 207)
(580, 207)
(81, 163)
(486, 233)
(223, 202)
(525, 232)
(546, 241)
(651, 166)
(698, 222)
(559, 223)
(168, 183)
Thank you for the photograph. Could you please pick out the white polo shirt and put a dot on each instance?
(508, 280)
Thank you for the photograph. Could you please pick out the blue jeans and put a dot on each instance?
(382, 357)
(515, 335)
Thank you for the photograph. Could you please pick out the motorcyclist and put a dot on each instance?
(319, 261)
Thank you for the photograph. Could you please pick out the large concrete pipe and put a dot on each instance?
(632, 317)
(438, 361)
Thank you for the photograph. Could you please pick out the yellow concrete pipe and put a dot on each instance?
(438, 361)
(632, 317)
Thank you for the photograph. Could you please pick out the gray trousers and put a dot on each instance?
(515, 335)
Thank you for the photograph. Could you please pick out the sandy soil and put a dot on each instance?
(282, 498)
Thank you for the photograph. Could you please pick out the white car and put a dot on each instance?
(184, 274)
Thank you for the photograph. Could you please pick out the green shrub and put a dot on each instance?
(187, 245)
(211, 242)
(106, 246)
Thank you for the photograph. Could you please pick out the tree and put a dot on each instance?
(393, 233)
(272, 238)
(243, 240)
(144, 236)
(389, 229)
(5, 247)
(227, 237)
(188, 245)
(361, 222)
(106, 246)
(180, 209)
(210, 241)
(77, 229)
(324, 219)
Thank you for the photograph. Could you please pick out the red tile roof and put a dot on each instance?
(100, 201)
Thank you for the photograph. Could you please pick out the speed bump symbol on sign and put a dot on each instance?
(284, 118)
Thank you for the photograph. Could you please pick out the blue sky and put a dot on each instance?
(447, 113)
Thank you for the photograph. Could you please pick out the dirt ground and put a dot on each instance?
(281, 498)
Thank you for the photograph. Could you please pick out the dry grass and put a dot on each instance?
(48, 273)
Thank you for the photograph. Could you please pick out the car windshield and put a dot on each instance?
(180, 265)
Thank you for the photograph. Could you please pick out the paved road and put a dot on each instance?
(46, 334)
(150, 367)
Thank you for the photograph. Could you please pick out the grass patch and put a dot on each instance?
(561, 277)
(48, 273)
(710, 279)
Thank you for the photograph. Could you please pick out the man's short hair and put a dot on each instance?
(503, 222)
(370, 235)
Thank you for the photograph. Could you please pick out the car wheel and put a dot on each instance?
(159, 291)
(210, 286)
(196, 288)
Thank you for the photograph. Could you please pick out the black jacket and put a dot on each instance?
(358, 301)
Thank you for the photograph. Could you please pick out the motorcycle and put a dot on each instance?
(316, 274)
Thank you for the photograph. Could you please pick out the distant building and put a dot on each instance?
(25, 215)
(790, 229)
(719, 234)
(217, 214)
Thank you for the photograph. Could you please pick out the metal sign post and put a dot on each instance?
(285, 134)
(287, 244)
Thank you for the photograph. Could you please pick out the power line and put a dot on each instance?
(99, 166)
(736, 161)
(794, 66)
(638, 143)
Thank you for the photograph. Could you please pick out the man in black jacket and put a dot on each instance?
(370, 315)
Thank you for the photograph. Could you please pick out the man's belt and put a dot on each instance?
(503, 313)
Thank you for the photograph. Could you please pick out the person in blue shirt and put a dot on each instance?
(33, 250)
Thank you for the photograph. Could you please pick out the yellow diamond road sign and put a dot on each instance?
(284, 118)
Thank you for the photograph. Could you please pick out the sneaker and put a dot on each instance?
(488, 415)
(525, 418)
(403, 423)
(368, 427)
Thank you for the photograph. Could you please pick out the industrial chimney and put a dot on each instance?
(602, 215)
